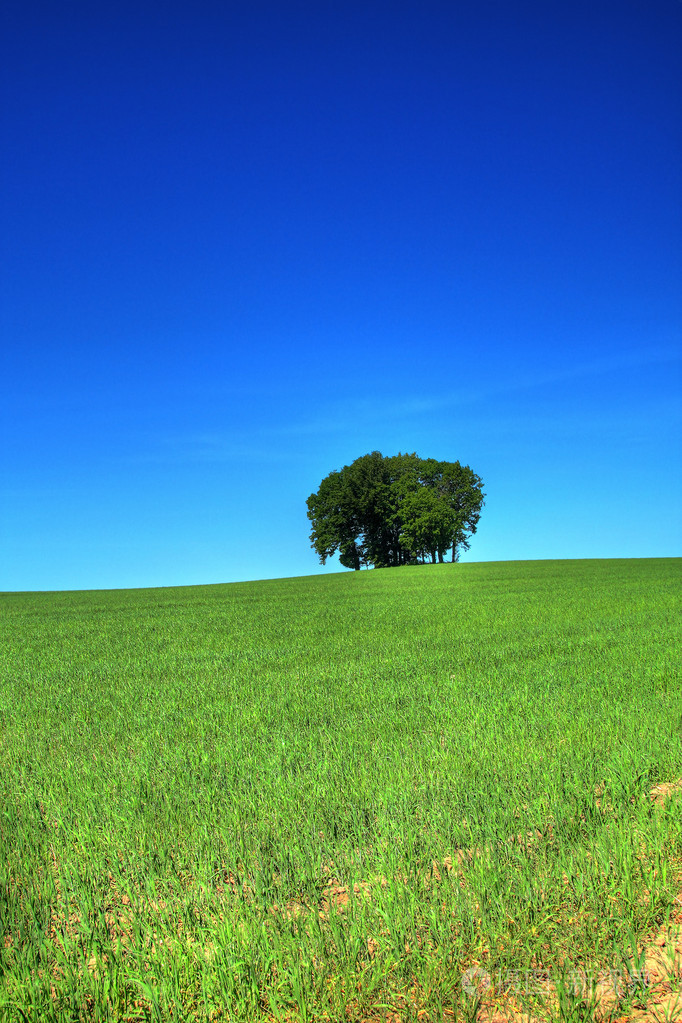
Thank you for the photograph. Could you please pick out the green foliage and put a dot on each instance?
(311, 798)
(398, 510)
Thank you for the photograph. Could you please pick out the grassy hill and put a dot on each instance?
(329, 797)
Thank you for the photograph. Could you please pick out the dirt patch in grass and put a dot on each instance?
(650, 992)
(665, 791)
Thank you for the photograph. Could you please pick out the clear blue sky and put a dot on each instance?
(243, 244)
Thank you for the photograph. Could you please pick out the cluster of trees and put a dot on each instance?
(395, 510)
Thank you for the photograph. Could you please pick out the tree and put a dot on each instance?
(395, 510)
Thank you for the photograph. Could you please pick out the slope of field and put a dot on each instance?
(329, 797)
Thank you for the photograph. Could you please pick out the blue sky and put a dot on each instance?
(243, 244)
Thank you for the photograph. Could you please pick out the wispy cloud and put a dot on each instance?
(261, 440)
(342, 416)
(199, 448)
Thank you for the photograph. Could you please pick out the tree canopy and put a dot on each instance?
(395, 510)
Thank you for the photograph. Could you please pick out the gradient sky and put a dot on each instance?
(243, 244)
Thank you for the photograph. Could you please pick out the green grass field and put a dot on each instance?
(329, 797)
